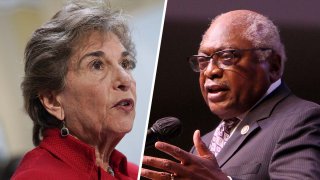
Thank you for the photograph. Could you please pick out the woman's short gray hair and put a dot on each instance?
(48, 52)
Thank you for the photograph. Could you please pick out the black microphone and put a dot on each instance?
(163, 129)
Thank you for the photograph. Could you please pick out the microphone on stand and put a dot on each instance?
(163, 129)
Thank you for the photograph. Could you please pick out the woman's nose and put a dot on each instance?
(123, 80)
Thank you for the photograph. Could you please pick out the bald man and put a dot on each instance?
(266, 132)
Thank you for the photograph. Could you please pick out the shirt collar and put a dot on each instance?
(271, 88)
(78, 154)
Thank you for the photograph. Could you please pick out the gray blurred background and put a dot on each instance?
(176, 90)
(19, 18)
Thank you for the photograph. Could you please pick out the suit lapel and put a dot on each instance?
(235, 142)
(260, 112)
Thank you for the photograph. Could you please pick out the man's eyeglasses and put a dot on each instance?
(222, 59)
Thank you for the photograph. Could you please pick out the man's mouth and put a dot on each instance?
(216, 88)
(216, 92)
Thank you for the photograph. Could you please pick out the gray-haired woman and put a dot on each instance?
(80, 94)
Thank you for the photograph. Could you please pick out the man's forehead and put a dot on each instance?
(233, 21)
(220, 36)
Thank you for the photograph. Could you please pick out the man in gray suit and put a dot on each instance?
(266, 132)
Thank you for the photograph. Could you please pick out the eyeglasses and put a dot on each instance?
(222, 59)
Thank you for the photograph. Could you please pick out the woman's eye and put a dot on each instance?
(128, 64)
(97, 65)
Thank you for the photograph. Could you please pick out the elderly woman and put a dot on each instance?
(80, 94)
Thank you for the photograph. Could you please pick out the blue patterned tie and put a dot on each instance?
(222, 134)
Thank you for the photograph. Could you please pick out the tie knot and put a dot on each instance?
(230, 124)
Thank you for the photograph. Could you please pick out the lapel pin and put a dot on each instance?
(245, 129)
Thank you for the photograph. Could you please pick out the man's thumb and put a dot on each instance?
(200, 145)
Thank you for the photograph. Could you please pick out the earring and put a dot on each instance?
(64, 131)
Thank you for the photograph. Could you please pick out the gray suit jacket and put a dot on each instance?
(283, 140)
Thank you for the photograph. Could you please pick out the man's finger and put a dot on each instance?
(174, 151)
(163, 164)
(201, 146)
(154, 174)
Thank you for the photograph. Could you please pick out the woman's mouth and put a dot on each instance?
(126, 105)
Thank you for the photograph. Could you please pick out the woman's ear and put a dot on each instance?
(275, 67)
(51, 102)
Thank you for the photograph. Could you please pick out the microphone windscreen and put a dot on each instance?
(163, 129)
(167, 127)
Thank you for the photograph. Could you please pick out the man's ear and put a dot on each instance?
(275, 67)
(51, 102)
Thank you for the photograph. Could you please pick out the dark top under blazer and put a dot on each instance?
(283, 141)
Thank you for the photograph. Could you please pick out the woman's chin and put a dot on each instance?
(122, 129)
(126, 129)
(125, 125)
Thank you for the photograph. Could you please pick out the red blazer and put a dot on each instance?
(68, 158)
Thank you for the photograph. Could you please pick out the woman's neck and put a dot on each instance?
(103, 152)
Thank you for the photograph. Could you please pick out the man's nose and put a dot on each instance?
(213, 71)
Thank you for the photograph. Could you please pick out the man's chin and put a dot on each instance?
(221, 110)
